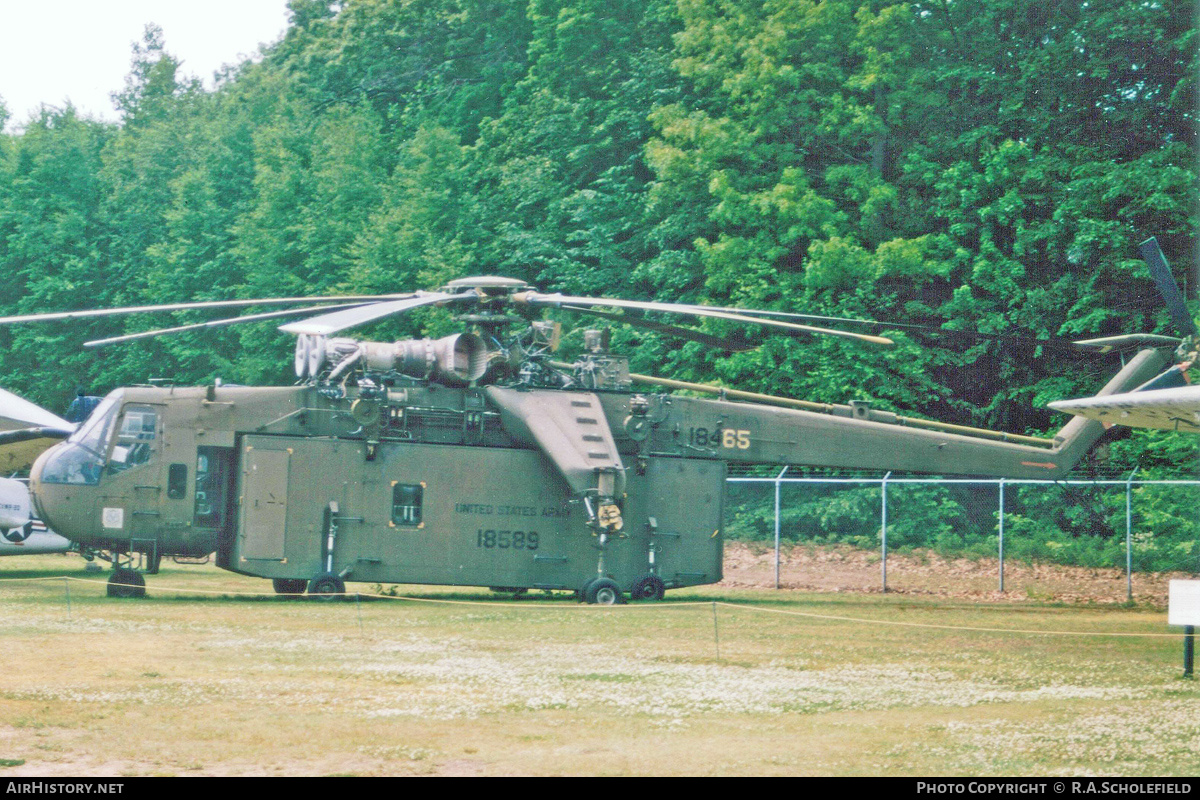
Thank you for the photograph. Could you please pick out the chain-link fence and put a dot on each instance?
(1073, 539)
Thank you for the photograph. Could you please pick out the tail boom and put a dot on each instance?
(856, 437)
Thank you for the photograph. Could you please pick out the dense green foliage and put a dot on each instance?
(979, 165)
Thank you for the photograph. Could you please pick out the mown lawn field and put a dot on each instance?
(218, 682)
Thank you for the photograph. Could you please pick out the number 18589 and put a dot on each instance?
(504, 540)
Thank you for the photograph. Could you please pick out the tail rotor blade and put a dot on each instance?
(1167, 287)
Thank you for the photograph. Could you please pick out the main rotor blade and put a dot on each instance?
(715, 342)
(535, 299)
(216, 323)
(1106, 344)
(1057, 343)
(262, 301)
(1167, 287)
(326, 324)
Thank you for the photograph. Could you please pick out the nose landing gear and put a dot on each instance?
(125, 582)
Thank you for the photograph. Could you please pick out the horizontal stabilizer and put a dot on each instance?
(1174, 409)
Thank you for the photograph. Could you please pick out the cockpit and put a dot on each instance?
(114, 438)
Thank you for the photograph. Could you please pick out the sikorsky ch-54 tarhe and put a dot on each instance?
(477, 459)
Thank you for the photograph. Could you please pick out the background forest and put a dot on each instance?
(974, 165)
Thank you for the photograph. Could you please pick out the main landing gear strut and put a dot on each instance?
(126, 579)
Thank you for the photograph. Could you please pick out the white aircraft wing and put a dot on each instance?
(25, 431)
(17, 412)
(1175, 409)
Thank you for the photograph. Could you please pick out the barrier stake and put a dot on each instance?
(716, 633)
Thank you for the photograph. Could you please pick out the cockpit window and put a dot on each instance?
(93, 433)
(113, 439)
(135, 439)
(81, 458)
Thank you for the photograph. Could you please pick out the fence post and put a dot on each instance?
(778, 478)
(883, 527)
(1002, 536)
(1189, 649)
(1129, 537)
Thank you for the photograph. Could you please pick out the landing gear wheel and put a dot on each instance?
(650, 587)
(289, 585)
(153, 562)
(326, 586)
(582, 592)
(604, 592)
(126, 583)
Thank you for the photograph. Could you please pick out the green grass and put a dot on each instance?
(250, 684)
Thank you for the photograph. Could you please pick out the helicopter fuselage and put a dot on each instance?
(290, 483)
(518, 487)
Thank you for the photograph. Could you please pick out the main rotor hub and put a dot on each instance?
(487, 285)
(494, 293)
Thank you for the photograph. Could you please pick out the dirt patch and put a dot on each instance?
(841, 568)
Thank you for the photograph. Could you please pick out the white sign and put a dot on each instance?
(113, 518)
(1183, 604)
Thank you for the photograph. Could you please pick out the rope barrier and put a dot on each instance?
(28, 580)
(502, 604)
(349, 595)
(639, 606)
(945, 627)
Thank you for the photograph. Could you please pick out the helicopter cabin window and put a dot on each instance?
(213, 472)
(135, 438)
(177, 481)
(406, 504)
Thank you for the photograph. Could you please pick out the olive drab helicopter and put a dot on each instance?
(476, 459)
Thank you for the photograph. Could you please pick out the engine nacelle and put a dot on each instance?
(455, 360)
(14, 504)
